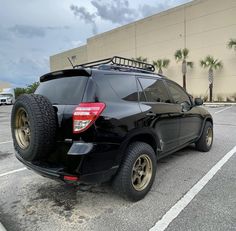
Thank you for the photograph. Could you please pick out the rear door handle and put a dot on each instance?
(150, 113)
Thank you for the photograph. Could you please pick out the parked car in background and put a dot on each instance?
(7, 96)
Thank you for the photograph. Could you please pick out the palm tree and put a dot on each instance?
(212, 64)
(232, 44)
(160, 64)
(182, 55)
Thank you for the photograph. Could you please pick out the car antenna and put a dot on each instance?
(71, 63)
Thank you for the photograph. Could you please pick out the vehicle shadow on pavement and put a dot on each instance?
(41, 198)
(66, 199)
(4, 155)
(91, 197)
(71, 203)
(189, 150)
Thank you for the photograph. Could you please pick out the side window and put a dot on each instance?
(154, 90)
(178, 93)
(124, 86)
(142, 96)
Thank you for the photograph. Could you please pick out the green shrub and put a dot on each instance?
(27, 90)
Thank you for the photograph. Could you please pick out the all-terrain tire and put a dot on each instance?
(205, 142)
(40, 123)
(123, 183)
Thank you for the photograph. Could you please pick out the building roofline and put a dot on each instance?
(75, 48)
(162, 13)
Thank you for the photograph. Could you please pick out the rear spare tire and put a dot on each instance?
(33, 126)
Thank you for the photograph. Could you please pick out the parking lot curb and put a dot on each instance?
(2, 227)
(215, 104)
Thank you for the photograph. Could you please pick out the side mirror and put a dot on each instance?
(185, 106)
(198, 101)
(191, 97)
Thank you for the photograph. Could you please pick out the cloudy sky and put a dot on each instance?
(32, 30)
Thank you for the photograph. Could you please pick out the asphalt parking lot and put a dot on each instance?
(30, 202)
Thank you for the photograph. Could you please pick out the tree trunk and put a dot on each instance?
(210, 78)
(211, 91)
(184, 71)
(184, 81)
(160, 71)
(210, 75)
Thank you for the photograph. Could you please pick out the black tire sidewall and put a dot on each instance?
(124, 179)
(43, 124)
(209, 125)
(201, 144)
(133, 191)
(28, 153)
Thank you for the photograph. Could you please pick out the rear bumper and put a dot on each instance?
(97, 163)
(50, 172)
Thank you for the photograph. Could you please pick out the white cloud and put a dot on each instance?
(31, 30)
(75, 43)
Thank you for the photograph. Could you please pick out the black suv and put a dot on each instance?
(108, 120)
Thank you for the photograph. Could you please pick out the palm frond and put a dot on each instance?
(161, 63)
(157, 63)
(154, 63)
(211, 63)
(165, 63)
(218, 65)
(185, 52)
(190, 64)
(203, 63)
(232, 43)
(178, 55)
(209, 59)
(140, 59)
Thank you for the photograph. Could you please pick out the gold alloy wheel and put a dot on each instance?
(209, 136)
(22, 128)
(142, 172)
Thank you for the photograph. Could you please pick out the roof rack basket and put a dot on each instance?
(120, 61)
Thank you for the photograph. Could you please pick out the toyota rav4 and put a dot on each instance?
(107, 120)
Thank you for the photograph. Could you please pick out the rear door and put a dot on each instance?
(161, 114)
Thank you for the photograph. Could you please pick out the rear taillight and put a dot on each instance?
(71, 178)
(85, 115)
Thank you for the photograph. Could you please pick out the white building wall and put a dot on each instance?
(203, 26)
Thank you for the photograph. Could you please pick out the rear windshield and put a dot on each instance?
(63, 91)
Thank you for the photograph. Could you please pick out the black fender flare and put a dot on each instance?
(207, 118)
(147, 135)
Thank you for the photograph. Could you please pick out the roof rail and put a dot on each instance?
(120, 61)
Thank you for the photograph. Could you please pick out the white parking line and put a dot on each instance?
(222, 110)
(13, 171)
(170, 215)
(5, 142)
